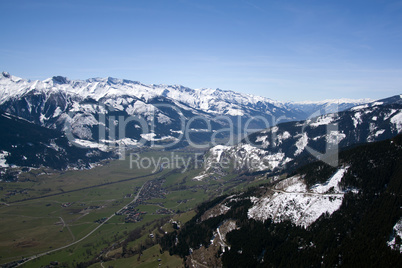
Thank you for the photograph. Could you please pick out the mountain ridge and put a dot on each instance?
(159, 90)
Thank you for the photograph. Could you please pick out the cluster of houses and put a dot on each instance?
(132, 214)
(153, 189)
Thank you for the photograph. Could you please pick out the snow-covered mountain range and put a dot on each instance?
(90, 109)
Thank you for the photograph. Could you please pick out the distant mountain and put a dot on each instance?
(317, 108)
(319, 215)
(101, 109)
(292, 144)
(25, 144)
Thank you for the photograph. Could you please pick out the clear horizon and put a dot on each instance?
(285, 51)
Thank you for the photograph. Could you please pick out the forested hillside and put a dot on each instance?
(355, 234)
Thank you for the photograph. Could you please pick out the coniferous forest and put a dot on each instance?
(354, 235)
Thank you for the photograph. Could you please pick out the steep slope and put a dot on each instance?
(25, 144)
(292, 144)
(318, 216)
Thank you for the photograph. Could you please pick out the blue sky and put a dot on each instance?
(284, 50)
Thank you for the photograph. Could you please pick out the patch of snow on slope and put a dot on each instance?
(333, 182)
(272, 161)
(212, 162)
(335, 137)
(292, 201)
(85, 119)
(255, 159)
(200, 177)
(379, 132)
(148, 136)
(42, 118)
(298, 187)
(80, 123)
(225, 228)
(375, 135)
(356, 119)
(397, 231)
(240, 157)
(281, 137)
(301, 209)
(92, 145)
(57, 112)
(128, 142)
(163, 119)
(217, 151)
(54, 146)
(141, 107)
(274, 129)
(397, 121)
(360, 107)
(391, 113)
(177, 131)
(263, 140)
(3, 155)
(285, 135)
(322, 120)
(301, 144)
(235, 112)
